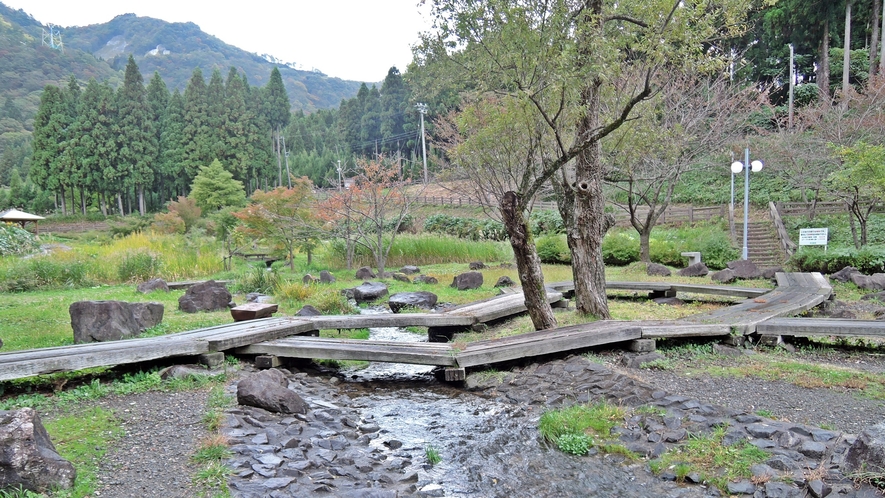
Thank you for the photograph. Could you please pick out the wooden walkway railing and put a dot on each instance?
(285, 336)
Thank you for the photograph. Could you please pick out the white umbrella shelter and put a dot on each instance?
(20, 217)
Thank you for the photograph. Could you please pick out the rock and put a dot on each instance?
(669, 301)
(477, 265)
(185, 371)
(844, 275)
(308, 310)
(309, 279)
(771, 273)
(268, 389)
(369, 291)
(257, 297)
(410, 270)
(745, 269)
(878, 296)
(868, 451)
(401, 277)
(424, 279)
(469, 280)
(365, 273)
(154, 284)
(504, 281)
(876, 281)
(97, 321)
(695, 270)
(422, 299)
(205, 296)
(725, 276)
(326, 277)
(29, 459)
(657, 270)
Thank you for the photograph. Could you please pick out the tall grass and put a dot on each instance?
(422, 250)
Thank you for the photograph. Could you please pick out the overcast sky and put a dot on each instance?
(351, 39)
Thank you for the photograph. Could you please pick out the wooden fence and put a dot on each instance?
(804, 208)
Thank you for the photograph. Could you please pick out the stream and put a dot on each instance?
(487, 448)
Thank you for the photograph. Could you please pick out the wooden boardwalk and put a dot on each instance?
(293, 336)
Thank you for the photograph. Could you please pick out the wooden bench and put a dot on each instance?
(251, 311)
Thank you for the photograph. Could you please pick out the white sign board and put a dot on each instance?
(813, 236)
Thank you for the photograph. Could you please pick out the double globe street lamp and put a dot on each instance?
(736, 168)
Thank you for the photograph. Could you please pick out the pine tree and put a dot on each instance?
(215, 99)
(236, 152)
(48, 135)
(172, 145)
(260, 137)
(196, 133)
(97, 140)
(277, 113)
(158, 100)
(137, 135)
(69, 161)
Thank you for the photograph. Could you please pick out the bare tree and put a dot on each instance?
(691, 117)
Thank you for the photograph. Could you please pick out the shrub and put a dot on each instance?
(716, 250)
(257, 278)
(620, 248)
(665, 251)
(546, 222)
(465, 228)
(553, 249)
(15, 240)
(331, 302)
(140, 266)
(868, 259)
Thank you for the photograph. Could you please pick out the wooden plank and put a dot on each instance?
(720, 290)
(677, 329)
(822, 327)
(504, 306)
(639, 286)
(229, 340)
(251, 311)
(506, 352)
(331, 322)
(143, 351)
(345, 349)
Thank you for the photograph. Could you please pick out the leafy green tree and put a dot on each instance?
(860, 183)
(285, 216)
(584, 67)
(215, 188)
(138, 141)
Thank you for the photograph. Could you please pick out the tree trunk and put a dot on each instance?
(141, 207)
(644, 252)
(83, 201)
(874, 38)
(64, 202)
(528, 263)
(588, 222)
(853, 225)
(823, 68)
(846, 56)
(120, 204)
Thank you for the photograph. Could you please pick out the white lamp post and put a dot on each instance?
(736, 168)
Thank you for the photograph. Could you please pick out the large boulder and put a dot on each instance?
(326, 277)
(876, 281)
(844, 275)
(421, 299)
(29, 459)
(477, 265)
(269, 389)
(656, 270)
(308, 310)
(505, 281)
(469, 280)
(368, 292)
(365, 273)
(401, 277)
(205, 296)
(425, 279)
(695, 270)
(97, 321)
(410, 269)
(154, 284)
(868, 451)
(745, 269)
(725, 276)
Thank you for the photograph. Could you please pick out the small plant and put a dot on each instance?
(213, 476)
(212, 449)
(764, 413)
(574, 444)
(651, 410)
(432, 455)
(139, 267)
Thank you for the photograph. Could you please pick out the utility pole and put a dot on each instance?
(339, 174)
(422, 108)
(286, 152)
(792, 83)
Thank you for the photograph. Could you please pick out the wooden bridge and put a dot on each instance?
(764, 311)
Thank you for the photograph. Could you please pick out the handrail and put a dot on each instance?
(783, 236)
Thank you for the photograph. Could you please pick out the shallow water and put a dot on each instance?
(487, 448)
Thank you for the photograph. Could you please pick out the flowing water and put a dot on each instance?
(486, 448)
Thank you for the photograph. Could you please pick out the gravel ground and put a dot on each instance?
(162, 430)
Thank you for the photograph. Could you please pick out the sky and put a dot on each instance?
(349, 39)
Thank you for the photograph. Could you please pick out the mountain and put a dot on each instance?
(175, 49)
(101, 50)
